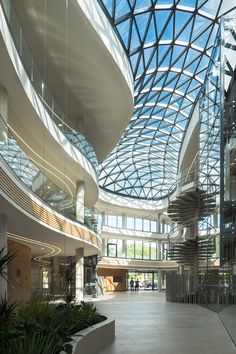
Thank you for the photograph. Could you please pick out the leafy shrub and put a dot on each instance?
(39, 326)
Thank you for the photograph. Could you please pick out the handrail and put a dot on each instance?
(34, 179)
(178, 228)
(38, 82)
(194, 178)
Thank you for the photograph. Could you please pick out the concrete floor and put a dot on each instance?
(147, 324)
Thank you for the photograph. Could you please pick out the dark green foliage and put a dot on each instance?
(38, 343)
(39, 326)
(5, 258)
(8, 331)
(88, 315)
(42, 327)
(69, 297)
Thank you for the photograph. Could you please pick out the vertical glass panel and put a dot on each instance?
(138, 249)
(130, 223)
(138, 224)
(146, 250)
(111, 219)
(130, 248)
(153, 226)
(121, 247)
(119, 221)
(146, 225)
(37, 80)
(26, 58)
(153, 250)
(105, 219)
(104, 247)
(45, 276)
(15, 29)
(111, 250)
(6, 6)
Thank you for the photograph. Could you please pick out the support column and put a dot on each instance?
(159, 251)
(79, 274)
(123, 248)
(158, 223)
(103, 218)
(124, 223)
(159, 280)
(163, 226)
(3, 244)
(80, 201)
(103, 247)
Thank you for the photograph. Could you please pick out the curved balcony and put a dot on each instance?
(33, 178)
(35, 76)
(83, 63)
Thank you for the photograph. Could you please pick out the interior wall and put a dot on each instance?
(19, 272)
(110, 279)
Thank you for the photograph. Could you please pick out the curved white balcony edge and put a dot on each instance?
(72, 152)
(126, 202)
(108, 231)
(125, 263)
(41, 230)
(102, 26)
(187, 151)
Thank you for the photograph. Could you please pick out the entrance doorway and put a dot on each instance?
(147, 280)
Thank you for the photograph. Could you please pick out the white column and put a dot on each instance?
(124, 223)
(79, 274)
(158, 223)
(159, 280)
(80, 201)
(103, 247)
(159, 251)
(3, 244)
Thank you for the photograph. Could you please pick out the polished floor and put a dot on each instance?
(147, 324)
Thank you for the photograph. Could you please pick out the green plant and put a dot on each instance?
(5, 259)
(69, 297)
(88, 315)
(35, 344)
(7, 310)
(8, 331)
(38, 308)
(39, 326)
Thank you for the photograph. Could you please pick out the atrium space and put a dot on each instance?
(118, 168)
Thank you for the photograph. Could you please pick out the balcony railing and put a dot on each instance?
(33, 178)
(51, 105)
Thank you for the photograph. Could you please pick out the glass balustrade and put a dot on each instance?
(39, 183)
(41, 88)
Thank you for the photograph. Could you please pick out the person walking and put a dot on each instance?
(136, 285)
(131, 284)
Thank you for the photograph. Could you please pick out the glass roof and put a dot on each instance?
(169, 44)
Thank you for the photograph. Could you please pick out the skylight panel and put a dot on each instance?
(168, 44)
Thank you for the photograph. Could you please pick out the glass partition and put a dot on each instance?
(41, 88)
(134, 249)
(39, 183)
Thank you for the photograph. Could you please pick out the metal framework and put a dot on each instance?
(169, 44)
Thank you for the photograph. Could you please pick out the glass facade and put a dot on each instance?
(228, 143)
(36, 180)
(138, 224)
(134, 249)
(169, 45)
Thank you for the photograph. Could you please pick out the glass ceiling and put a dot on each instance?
(169, 44)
